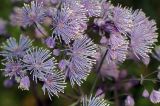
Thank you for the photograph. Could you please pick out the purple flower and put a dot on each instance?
(2, 26)
(14, 69)
(115, 19)
(8, 83)
(155, 96)
(129, 101)
(33, 13)
(54, 83)
(39, 62)
(16, 17)
(122, 19)
(56, 52)
(46, 3)
(118, 48)
(63, 64)
(93, 7)
(107, 8)
(50, 42)
(82, 57)
(143, 35)
(69, 22)
(94, 101)
(50, 12)
(24, 83)
(145, 93)
(12, 48)
(30, 14)
(76, 11)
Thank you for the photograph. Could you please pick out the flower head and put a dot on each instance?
(63, 64)
(118, 48)
(54, 83)
(50, 42)
(30, 14)
(93, 7)
(39, 62)
(24, 83)
(12, 48)
(14, 69)
(82, 57)
(115, 19)
(69, 22)
(143, 35)
(129, 101)
(145, 93)
(94, 101)
(155, 96)
(122, 19)
(16, 17)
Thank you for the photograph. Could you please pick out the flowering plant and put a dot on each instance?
(78, 38)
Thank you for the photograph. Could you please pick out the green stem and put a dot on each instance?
(150, 74)
(98, 70)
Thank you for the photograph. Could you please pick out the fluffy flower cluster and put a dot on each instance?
(81, 59)
(69, 23)
(129, 31)
(21, 60)
(29, 14)
(94, 101)
(123, 33)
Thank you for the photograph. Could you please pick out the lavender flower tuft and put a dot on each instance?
(39, 62)
(24, 83)
(122, 19)
(94, 101)
(129, 101)
(54, 83)
(14, 69)
(143, 35)
(93, 7)
(145, 93)
(30, 14)
(82, 57)
(155, 96)
(118, 48)
(70, 21)
(12, 48)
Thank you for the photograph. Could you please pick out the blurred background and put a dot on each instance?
(12, 96)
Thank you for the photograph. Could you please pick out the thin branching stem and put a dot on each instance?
(98, 70)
